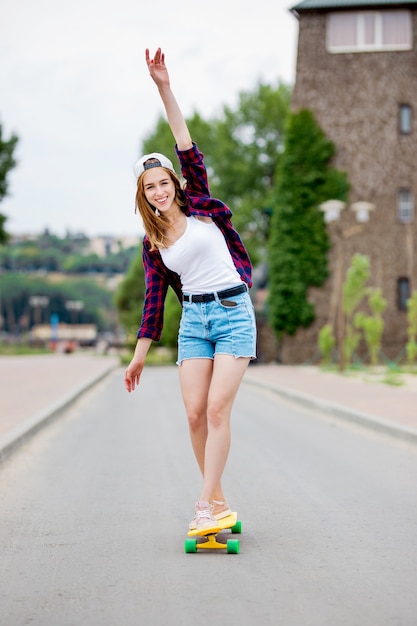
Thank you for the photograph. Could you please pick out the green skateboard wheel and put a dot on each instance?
(233, 546)
(190, 546)
(237, 528)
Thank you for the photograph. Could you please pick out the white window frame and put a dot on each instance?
(360, 45)
(405, 203)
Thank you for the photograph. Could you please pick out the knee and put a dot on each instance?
(196, 419)
(215, 415)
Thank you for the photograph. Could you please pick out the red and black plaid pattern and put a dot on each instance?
(199, 202)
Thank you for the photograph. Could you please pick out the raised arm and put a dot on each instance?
(159, 74)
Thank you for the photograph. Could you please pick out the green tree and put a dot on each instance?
(161, 139)
(354, 291)
(172, 316)
(4, 237)
(83, 263)
(129, 298)
(7, 162)
(299, 242)
(242, 148)
(373, 325)
(326, 343)
(96, 298)
(249, 145)
(70, 254)
(411, 347)
(19, 315)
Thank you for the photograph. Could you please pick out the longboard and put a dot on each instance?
(209, 537)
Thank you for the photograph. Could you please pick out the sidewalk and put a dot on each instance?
(358, 397)
(35, 389)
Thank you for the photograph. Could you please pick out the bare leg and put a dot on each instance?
(195, 378)
(227, 376)
(209, 389)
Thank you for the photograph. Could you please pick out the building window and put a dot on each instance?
(369, 31)
(405, 119)
(405, 206)
(403, 293)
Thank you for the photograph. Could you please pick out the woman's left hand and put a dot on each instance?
(157, 68)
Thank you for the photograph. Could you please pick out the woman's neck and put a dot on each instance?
(175, 217)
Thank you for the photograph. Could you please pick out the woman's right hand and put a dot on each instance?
(134, 369)
(132, 374)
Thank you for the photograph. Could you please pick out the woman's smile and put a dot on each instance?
(159, 188)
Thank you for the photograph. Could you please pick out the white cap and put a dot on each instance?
(160, 161)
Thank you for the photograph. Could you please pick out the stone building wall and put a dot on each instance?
(355, 98)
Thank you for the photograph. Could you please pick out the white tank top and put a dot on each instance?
(201, 258)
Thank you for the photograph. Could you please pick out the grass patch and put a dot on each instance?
(156, 356)
(21, 350)
(392, 378)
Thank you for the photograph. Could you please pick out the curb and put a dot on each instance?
(360, 418)
(19, 435)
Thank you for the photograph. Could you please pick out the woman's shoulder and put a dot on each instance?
(147, 251)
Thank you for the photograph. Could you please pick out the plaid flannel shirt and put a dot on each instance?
(199, 202)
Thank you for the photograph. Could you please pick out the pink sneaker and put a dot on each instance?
(203, 517)
(221, 509)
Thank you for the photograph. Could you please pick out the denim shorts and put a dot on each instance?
(210, 328)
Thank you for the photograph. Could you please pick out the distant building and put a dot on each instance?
(105, 245)
(83, 334)
(357, 72)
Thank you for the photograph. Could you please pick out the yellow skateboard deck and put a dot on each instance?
(210, 535)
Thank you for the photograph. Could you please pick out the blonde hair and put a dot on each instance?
(155, 225)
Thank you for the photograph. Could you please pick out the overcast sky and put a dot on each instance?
(76, 90)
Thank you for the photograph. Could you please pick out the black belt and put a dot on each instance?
(208, 297)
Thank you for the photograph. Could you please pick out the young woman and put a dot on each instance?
(190, 244)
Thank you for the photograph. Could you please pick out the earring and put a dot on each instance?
(157, 213)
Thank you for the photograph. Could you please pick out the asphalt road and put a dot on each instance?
(94, 512)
